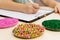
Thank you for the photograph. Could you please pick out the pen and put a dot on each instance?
(31, 1)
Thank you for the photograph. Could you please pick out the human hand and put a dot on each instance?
(30, 8)
(57, 8)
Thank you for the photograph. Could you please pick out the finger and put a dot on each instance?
(35, 11)
(59, 11)
(31, 11)
(56, 10)
(36, 6)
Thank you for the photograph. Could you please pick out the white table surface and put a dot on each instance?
(6, 34)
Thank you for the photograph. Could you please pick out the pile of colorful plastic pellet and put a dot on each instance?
(28, 31)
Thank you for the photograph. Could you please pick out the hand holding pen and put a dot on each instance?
(28, 7)
(31, 7)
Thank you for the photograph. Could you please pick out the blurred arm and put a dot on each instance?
(50, 3)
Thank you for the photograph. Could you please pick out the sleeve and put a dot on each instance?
(39, 2)
(22, 1)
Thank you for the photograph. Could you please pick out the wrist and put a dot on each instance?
(18, 7)
(23, 8)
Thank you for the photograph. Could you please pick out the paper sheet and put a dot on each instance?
(23, 16)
